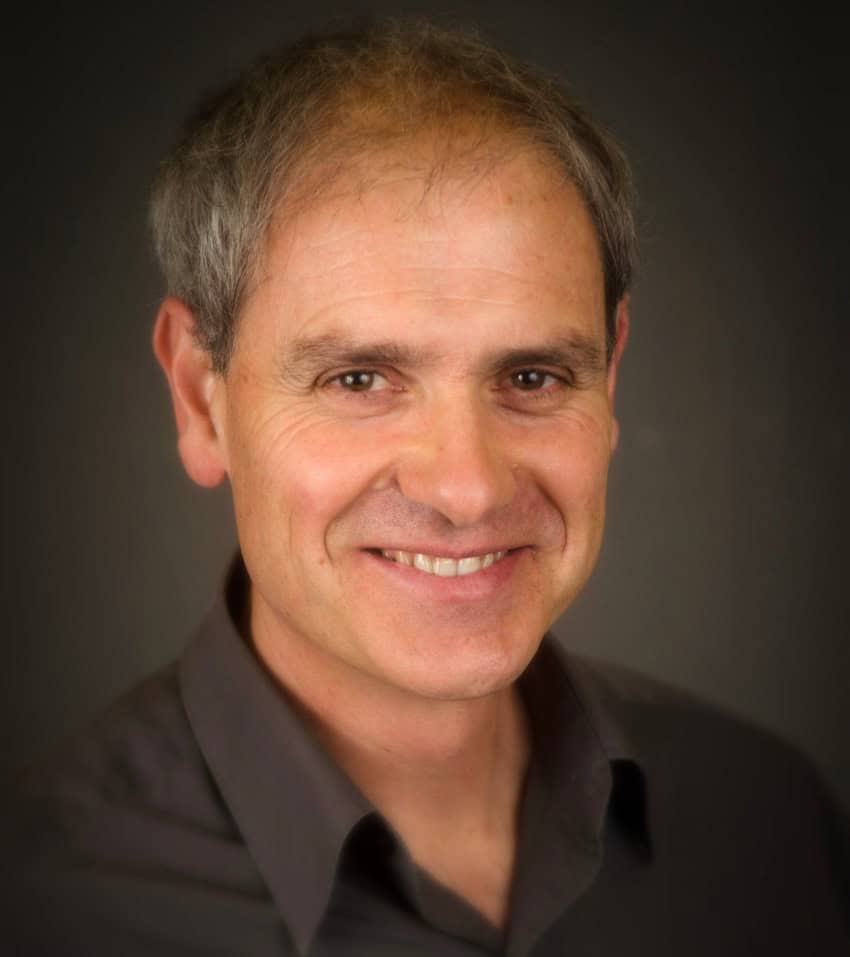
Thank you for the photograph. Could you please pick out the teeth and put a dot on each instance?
(444, 567)
(473, 564)
(424, 563)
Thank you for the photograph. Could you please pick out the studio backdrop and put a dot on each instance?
(724, 564)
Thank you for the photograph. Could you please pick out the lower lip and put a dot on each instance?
(480, 585)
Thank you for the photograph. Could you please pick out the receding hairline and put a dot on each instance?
(328, 98)
(436, 157)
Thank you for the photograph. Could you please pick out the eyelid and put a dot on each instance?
(562, 379)
(563, 376)
(335, 377)
(549, 395)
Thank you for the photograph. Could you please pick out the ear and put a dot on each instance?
(195, 387)
(621, 335)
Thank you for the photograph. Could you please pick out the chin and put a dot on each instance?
(468, 670)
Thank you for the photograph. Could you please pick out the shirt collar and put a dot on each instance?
(579, 730)
(294, 806)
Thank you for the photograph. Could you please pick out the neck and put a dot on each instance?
(431, 766)
(439, 766)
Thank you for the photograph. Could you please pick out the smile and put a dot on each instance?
(444, 567)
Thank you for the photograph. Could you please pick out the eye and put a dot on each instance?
(360, 380)
(532, 380)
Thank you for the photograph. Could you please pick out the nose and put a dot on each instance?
(457, 465)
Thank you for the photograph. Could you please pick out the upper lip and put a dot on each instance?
(447, 551)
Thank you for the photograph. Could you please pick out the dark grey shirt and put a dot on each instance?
(201, 816)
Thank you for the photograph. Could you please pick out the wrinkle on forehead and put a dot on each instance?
(396, 203)
(517, 233)
(443, 166)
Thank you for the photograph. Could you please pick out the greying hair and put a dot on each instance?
(328, 100)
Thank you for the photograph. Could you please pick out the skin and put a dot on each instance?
(477, 416)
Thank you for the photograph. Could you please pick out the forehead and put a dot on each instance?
(505, 228)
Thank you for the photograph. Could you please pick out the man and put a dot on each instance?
(398, 267)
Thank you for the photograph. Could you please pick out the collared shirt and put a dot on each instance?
(202, 816)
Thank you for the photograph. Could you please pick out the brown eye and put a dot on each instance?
(530, 379)
(359, 380)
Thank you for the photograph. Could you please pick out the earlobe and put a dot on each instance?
(621, 337)
(192, 383)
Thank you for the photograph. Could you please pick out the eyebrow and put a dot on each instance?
(580, 355)
(332, 349)
(304, 358)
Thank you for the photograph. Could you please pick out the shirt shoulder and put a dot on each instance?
(730, 804)
(669, 729)
(136, 764)
(122, 836)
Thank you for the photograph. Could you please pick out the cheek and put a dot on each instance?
(294, 476)
(574, 460)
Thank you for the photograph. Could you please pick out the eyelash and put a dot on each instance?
(337, 380)
(546, 392)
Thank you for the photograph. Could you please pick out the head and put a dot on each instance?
(398, 266)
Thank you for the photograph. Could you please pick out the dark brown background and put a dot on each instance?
(725, 560)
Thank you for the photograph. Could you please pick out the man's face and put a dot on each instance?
(419, 379)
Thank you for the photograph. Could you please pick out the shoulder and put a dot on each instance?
(730, 803)
(671, 729)
(121, 828)
(137, 761)
(129, 788)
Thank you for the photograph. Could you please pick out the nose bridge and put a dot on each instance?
(456, 462)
